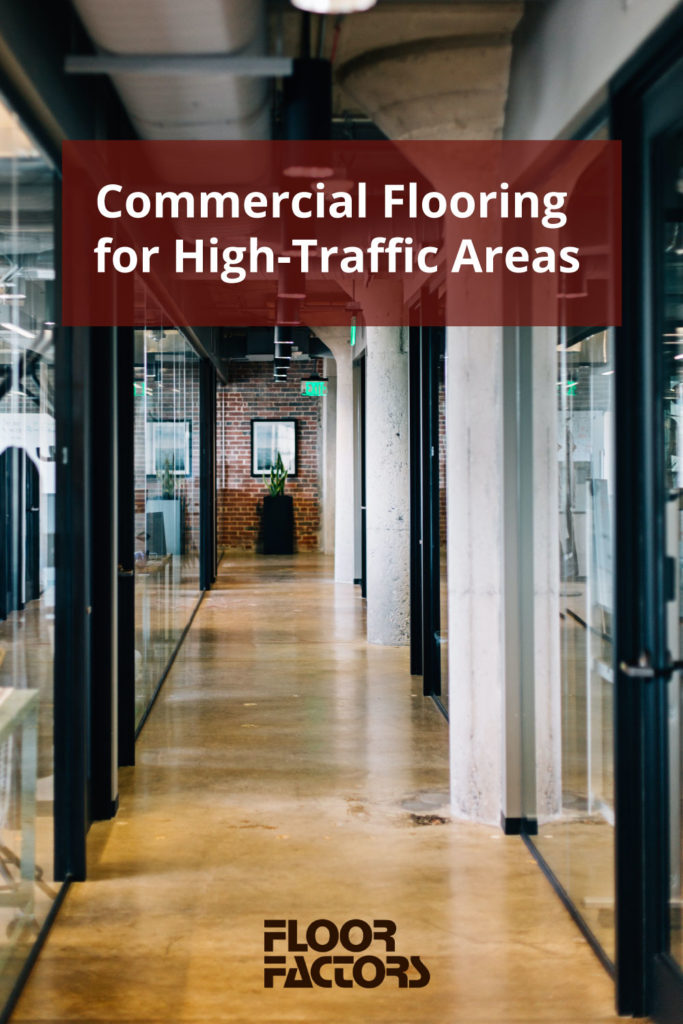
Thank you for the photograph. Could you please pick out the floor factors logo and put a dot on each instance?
(337, 962)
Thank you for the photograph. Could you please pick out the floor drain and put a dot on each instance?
(428, 819)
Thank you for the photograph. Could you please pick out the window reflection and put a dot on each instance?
(576, 804)
(27, 530)
(672, 357)
(166, 390)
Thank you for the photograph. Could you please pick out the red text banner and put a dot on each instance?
(323, 233)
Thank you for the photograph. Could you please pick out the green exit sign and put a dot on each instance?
(314, 388)
(138, 388)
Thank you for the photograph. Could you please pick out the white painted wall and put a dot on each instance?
(564, 53)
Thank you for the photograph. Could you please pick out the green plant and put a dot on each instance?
(167, 482)
(278, 475)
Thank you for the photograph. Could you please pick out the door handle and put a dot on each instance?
(125, 572)
(645, 670)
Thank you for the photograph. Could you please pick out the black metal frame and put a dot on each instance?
(429, 462)
(103, 537)
(425, 530)
(414, 355)
(359, 366)
(126, 542)
(208, 557)
(72, 603)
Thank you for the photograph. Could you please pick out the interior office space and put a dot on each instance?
(505, 501)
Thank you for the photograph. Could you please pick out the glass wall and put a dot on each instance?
(166, 501)
(27, 526)
(672, 382)
(575, 789)
(443, 535)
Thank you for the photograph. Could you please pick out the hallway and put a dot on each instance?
(291, 770)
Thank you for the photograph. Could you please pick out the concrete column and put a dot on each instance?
(329, 456)
(475, 509)
(343, 508)
(388, 485)
(337, 340)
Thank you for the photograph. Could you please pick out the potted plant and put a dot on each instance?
(170, 505)
(277, 518)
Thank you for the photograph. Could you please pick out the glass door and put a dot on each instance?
(667, 241)
(647, 116)
(649, 364)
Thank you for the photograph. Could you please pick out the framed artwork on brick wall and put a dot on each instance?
(268, 438)
(168, 444)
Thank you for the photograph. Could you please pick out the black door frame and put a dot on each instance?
(359, 366)
(416, 572)
(125, 357)
(430, 340)
(425, 533)
(207, 458)
(103, 536)
(648, 981)
(72, 603)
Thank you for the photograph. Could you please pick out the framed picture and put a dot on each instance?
(268, 438)
(168, 444)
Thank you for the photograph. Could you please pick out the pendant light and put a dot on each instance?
(334, 6)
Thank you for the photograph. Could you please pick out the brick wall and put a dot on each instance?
(252, 394)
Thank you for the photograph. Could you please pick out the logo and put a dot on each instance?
(345, 961)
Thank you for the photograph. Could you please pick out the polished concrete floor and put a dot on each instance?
(290, 770)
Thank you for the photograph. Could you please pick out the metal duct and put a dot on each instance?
(188, 106)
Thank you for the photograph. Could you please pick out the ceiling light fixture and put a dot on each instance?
(334, 6)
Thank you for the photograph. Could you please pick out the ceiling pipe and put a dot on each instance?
(306, 114)
(203, 64)
(307, 100)
(184, 71)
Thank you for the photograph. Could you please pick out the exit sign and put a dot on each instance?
(314, 388)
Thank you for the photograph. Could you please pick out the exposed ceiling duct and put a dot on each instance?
(187, 106)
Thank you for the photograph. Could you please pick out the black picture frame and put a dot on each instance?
(155, 442)
(268, 437)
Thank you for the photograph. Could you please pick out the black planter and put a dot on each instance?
(277, 524)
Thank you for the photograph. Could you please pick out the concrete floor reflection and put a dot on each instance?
(26, 663)
(166, 592)
(284, 773)
(578, 843)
